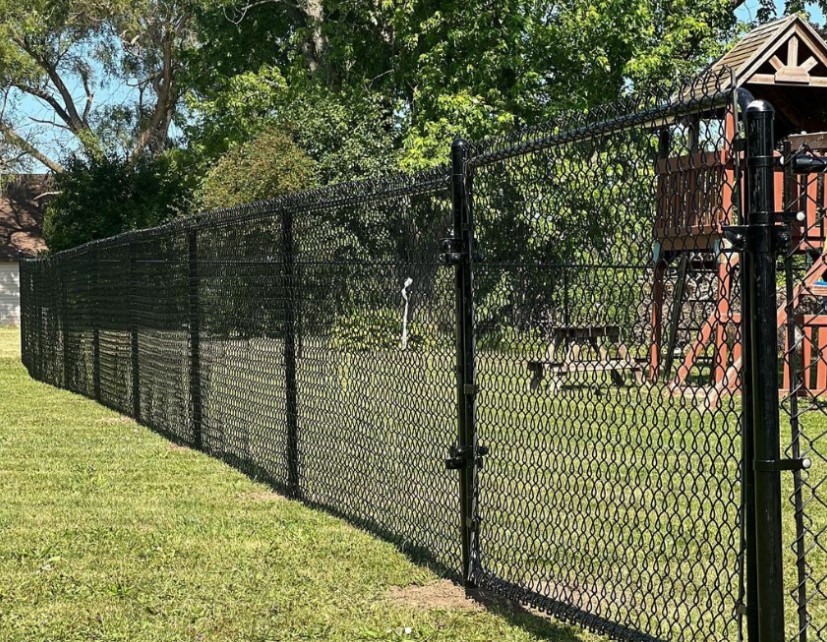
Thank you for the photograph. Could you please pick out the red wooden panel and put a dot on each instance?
(821, 361)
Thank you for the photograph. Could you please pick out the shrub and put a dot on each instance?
(266, 167)
(101, 197)
(381, 329)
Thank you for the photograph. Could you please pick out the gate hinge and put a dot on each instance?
(453, 252)
(752, 237)
(739, 144)
(776, 465)
(463, 456)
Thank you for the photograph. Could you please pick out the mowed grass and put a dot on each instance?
(109, 532)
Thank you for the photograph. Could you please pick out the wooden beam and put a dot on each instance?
(792, 52)
(808, 64)
(763, 79)
(675, 314)
(770, 79)
(775, 61)
(814, 140)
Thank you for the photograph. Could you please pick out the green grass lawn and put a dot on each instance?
(110, 532)
(620, 501)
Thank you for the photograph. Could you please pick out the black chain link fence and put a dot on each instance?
(607, 329)
(315, 341)
(802, 330)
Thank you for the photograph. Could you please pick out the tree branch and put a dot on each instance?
(16, 140)
(49, 122)
(49, 99)
(166, 93)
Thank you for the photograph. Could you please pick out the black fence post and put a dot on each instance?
(748, 452)
(195, 340)
(93, 311)
(761, 239)
(133, 333)
(64, 322)
(464, 455)
(25, 294)
(289, 293)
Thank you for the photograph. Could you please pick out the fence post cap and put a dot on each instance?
(760, 106)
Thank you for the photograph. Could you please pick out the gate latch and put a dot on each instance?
(775, 465)
(461, 457)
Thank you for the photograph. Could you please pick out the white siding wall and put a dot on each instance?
(9, 294)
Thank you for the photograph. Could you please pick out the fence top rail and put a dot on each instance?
(322, 198)
(667, 105)
(658, 108)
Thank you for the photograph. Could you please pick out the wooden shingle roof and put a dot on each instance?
(21, 216)
(788, 51)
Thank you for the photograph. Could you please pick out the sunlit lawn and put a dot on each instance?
(109, 532)
(137, 539)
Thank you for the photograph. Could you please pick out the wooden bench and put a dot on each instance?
(575, 338)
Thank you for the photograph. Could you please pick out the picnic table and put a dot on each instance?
(607, 354)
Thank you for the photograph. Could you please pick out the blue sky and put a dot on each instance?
(746, 12)
(56, 143)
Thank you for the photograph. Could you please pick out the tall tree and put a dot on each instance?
(415, 73)
(61, 53)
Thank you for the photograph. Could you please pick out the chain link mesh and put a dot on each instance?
(802, 332)
(310, 341)
(271, 336)
(608, 340)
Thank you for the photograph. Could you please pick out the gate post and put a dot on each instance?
(459, 251)
(761, 240)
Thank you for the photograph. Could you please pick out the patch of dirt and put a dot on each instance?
(261, 496)
(442, 594)
(177, 447)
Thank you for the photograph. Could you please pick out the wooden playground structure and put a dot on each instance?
(784, 62)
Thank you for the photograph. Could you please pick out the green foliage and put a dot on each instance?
(398, 81)
(269, 166)
(348, 134)
(381, 329)
(100, 197)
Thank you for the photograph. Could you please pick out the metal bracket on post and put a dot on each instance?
(777, 465)
(453, 253)
(751, 237)
(460, 457)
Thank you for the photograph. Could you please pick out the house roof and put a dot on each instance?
(21, 216)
